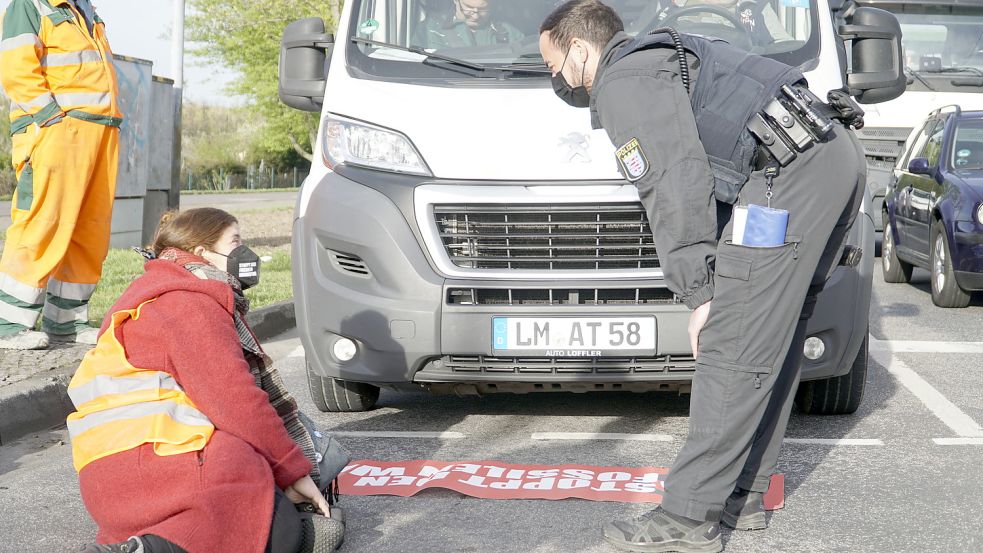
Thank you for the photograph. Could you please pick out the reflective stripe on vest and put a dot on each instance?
(120, 407)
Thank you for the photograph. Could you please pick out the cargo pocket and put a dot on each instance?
(749, 315)
(25, 188)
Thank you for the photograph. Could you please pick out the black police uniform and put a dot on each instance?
(750, 350)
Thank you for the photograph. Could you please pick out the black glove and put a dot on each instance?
(850, 112)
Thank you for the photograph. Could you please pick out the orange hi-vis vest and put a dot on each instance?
(52, 64)
(120, 407)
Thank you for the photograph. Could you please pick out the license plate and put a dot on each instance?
(574, 336)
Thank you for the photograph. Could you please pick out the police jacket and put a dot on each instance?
(642, 104)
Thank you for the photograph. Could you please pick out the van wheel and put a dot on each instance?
(332, 395)
(945, 290)
(895, 270)
(840, 395)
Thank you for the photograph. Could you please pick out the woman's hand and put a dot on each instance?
(305, 491)
(696, 321)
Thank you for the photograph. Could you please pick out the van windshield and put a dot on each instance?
(502, 35)
(943, 46)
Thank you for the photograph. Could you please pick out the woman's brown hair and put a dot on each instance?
(189, 229)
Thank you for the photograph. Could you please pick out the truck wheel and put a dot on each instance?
(895, 270)
(945, 290)
(840, 395)
(331, 395)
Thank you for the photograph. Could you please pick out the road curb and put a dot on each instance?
(41, 402)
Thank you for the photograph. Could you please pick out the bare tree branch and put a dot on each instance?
(300, 150)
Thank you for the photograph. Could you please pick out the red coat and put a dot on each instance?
(219, 499)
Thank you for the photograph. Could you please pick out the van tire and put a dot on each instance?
(331, 395)
(945, 290)
(839, 395)
(895, 270)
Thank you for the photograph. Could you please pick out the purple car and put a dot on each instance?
(933, 210)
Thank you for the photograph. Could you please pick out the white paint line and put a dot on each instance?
(925, 347)
(938, 404)
(601, 436)
(833, 442)
(371, 434)
(958, 441)
(297, 352)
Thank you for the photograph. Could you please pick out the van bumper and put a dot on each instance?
(360, 272)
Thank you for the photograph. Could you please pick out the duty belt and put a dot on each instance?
(796, 119)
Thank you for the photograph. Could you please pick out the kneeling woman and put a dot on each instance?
(177, 446)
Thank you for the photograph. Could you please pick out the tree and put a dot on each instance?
(244, 35)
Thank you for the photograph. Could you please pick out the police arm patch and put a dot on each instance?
(633, 162)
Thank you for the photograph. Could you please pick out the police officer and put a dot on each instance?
(687, 152)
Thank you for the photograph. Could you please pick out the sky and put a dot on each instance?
(141, 29)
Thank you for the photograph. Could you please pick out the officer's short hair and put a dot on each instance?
(589, 20)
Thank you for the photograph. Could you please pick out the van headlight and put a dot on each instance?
(356, 143)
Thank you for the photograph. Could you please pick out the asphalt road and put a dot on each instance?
(902, 487)
(238, 201)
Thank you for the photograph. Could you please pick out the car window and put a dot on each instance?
(967, 151)
(918, 147)
(932, 150)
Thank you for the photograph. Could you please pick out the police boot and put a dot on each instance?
(320, 533)
(659, 531)
(132, 545)
(745, 510)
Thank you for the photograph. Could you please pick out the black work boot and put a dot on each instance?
(321, 534)
(132, 545)
(661, 532)
(745, 510)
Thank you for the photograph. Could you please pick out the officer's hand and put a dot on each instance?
(305, 491)
(697, 319)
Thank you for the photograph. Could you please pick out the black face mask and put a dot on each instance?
(243, 263)
(576, 96)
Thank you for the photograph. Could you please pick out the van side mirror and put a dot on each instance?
(305, 53)
(919, 166)
(877, 66)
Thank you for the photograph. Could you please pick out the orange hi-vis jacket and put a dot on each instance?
(120, 407)
(52, 65)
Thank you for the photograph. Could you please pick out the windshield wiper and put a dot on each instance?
(420, 51)
(526, 67)
(916, 75)
(973, 70)
(539, 67)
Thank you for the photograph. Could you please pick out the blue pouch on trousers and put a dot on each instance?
(765, 227)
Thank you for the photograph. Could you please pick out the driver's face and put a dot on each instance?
(474, 13)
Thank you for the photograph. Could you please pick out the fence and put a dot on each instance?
(253, 178)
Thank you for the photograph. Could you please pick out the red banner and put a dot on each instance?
(496, 480)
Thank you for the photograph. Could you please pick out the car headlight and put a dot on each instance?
(356, 143)
(979, 214)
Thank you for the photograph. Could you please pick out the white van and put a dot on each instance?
(451, 190)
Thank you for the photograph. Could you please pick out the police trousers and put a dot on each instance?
(750, 352)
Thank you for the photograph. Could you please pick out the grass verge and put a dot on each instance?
(122, 267)
(238, 191)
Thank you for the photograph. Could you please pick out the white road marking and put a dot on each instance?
(958, 441)
(372, 434)
(834, 441)
(297, 352)
(925, 347)
(600, 436)
(938, 404)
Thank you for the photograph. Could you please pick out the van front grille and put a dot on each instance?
(885, 143)
(485, 364)
(546, 236)
(560, 296)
